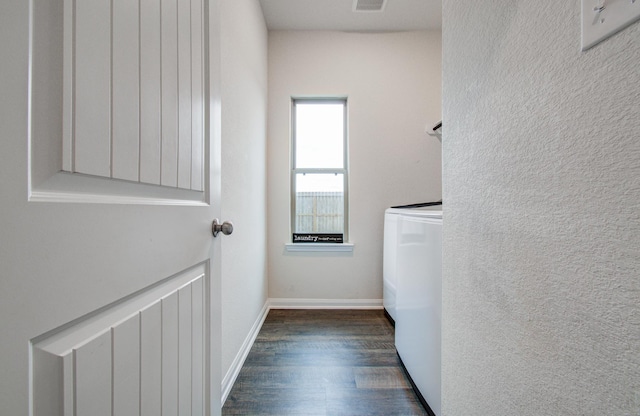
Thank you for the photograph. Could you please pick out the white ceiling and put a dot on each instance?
(398, 15)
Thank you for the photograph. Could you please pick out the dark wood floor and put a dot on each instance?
(323, 362)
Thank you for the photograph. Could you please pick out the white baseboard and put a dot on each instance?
(287, 303)
(238, 362)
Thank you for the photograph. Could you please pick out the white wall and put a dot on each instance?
(393, 84)
(541, 151)
(244, 108)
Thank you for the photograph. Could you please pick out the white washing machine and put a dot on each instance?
(390, 244)
(412, 273)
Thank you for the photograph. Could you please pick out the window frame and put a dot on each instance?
(344, 171)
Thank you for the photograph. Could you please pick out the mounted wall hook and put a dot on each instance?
(435, 131)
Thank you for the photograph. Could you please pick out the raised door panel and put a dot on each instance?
(133, 91)
(140, 356)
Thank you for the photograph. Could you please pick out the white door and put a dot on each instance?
(109, 181)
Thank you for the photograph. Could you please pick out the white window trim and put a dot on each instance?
(319, 247)
(344, 171)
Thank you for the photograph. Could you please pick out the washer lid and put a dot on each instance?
(420, 205)
(429, 211)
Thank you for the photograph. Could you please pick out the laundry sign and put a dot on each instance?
(318, 238)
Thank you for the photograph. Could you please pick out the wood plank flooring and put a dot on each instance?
(324, 363)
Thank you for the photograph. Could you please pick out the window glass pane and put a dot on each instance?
(319, 203)
(319, 135)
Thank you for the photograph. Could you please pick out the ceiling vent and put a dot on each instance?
(369, 5)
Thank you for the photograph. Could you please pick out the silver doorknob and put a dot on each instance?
(226, 227)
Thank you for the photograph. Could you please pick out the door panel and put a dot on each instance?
(132, 89)
(83, 257)
(147, 348)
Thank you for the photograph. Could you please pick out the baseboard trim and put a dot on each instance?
(287, 303)
(238, 362)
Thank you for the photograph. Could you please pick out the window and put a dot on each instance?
(319, 176)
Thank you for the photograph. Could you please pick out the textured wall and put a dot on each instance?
(541, 153)
(244, 109)
(393, 83)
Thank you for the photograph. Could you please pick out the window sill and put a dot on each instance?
(319, 247)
